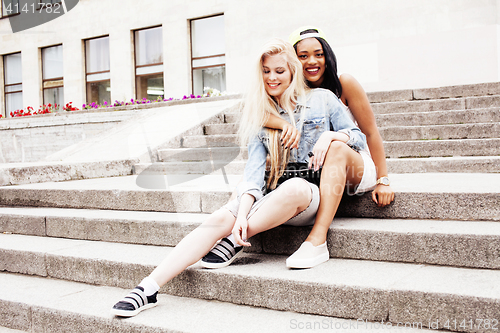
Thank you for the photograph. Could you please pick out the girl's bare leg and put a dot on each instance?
(194, 246)
(342, 166)
(291, 198)
(288, 200)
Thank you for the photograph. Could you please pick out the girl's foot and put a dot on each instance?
(133, 303)
(222, 255)
(308, 256)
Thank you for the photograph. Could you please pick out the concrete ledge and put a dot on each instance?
(75, 307)
(490, 88)
(339, 288)
(140, 137)
(39, 172)
(452, 196)
(448, 243)
(488, 115)
(458, 164)
(442, 148)
(117, 113)
(390, 96)
(226, 128)
(202, 154)
(441, 132)
(420, 106)
(469, 90)
(196, 141)
(483, 102)
(203, 167)
(15, 316)
(475, 164)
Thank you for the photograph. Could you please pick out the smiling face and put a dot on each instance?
(276, 75)
(312, 57)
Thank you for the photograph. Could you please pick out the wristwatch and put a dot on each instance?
(384, 181)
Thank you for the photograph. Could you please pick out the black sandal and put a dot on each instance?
(133, 303)
(222, 255)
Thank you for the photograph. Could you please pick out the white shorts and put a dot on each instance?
(304, 218)
(369, 180)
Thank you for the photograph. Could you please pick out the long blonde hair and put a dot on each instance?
(259, 105)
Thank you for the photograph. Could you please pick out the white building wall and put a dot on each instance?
(385, 44)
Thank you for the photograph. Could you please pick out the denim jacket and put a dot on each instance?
(323, 112)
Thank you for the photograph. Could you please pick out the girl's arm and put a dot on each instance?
(241, 224)
(290, 136)
(354, 96)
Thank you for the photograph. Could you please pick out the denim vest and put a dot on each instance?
(323, 112)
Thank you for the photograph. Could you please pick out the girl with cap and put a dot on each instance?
(320, 70)
(279, 88)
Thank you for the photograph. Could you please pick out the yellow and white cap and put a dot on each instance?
(296, 37)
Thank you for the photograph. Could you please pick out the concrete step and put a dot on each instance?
(442, 148)
(419, 106)
(482, 102)
(475, 164)
(199, 141)
(454, 196)
(226, 128)
(436, 104)
(447, 243)
(468, 164)
(393, 149)
(203, 154)
(487, 115)
(441, 132)
(469, 90)
(232, 117)
(190, 158)
(9, 330)
(36, 172)
(342, 288)
(235, 167)
(48, 305)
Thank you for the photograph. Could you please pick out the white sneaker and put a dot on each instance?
(308, 256)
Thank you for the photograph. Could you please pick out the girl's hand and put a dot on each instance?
(383, 195)
(320, 149)
(240, 231)
(290, 136)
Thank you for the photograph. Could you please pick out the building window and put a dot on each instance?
(52, 75)
(149, 63)
(10, 7)
(13, 82)
(97, 70)
(208, 57)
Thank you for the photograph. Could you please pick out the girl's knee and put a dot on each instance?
(221, 218)
(339, 153)
(296, 190)
(336, 150)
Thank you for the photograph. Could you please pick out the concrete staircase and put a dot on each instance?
(70, 250)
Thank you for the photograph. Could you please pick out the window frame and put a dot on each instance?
(98, 72)
(5, 85)
(147, 65)
(193, 68)
(55, 79)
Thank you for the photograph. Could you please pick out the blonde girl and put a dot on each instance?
(277, 88)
